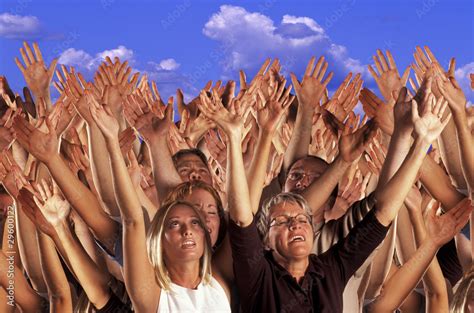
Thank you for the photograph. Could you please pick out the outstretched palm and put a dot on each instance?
(430, 124)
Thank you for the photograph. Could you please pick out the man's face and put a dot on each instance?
(303, 173)
(291, 240)
(190, 168)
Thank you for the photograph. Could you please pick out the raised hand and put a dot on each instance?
(381, 112)
(31, 210)
(451, 91)
(28, 105)
(312, 87)
(51, 204)
(441, 229)
(41, 145)
(231, 120)
(345, 98)
(270, 110)
(126, 139)
(6, 132)
(353, 144)
(193, 128)
(375, 157)
(37, 76)
(217, 148)
(11, 174)
(104, 118)
(402, 112)
(431, 123)
(388, 78)
(150, 121)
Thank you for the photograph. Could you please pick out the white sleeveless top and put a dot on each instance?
(205, 298)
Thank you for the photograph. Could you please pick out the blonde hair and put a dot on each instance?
(155, 247)
(462, 293)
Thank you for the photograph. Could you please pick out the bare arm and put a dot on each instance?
(138, 271)
(58, 286)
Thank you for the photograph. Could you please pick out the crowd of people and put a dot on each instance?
(271, 197)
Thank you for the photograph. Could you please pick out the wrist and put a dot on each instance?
(402, 132)
(53, 159)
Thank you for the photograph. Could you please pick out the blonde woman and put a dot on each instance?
(170, 269)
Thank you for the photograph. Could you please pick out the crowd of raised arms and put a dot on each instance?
(268, 196)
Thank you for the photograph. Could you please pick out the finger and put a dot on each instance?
(318, 67)
(377, 65)
(20, 66)
(323, 71)
(382, 59)
(391, 61)
(373, 72)
(29, 52)
(309, 67)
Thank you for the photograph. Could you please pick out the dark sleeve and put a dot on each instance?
(351, 252)
(114, 305)
(449, 262)
(248, 258)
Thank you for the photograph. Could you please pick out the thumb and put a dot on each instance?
(51, 68)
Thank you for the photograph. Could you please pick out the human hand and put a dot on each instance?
(37, 76)
(217, 147)
(388, 78)
(271, 109)
(381, 112)
(104, 117)
(31, 210)
(126, 139)
(441, 229)
(375, 156)
(7, 135)
(312, 87)
(43, 146)
(149, 120)
(431, 123)
(353, 143)
(451, 91)
(193, 128)
(345, 98)
(402, 112)
(11, 174)
(51, 204)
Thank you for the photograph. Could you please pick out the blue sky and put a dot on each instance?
(184, 43)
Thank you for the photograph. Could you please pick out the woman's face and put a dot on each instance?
(207, 205)
(183, 236)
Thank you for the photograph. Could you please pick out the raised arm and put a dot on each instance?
(427, 128)
(139, 274)
(309, 94)
(232, 124)
(153, 121)
(270, 111)
(450, 90)
(440, 230)
(44, 146)
(56, 211)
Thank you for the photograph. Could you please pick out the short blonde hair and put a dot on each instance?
(155, 247)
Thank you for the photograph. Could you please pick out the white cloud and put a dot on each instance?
(247, 38)
(166, 65)
(19, 27)
(464, 80)
(83, 60)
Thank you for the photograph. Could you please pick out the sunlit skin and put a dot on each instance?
(291, 254)
(183, 236)
(190, 168)
(207, 205)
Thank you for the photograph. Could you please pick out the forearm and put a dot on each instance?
(381, 263)
(405, 245)
(55, 278)
(449, 150)
(300, 138)
(405, 279)
(100, 167)
(390, 197)
(83, 200)
(164, 172)
(92, 279)
(320, 189)
(397, 152)
(466, 144)
(128, 201)
(236, 184)
(28, 248)
(433, 280)
(438, 184)
(146, 203)
(258, 168)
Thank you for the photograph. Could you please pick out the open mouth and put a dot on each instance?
(188, 244)
(297, 238)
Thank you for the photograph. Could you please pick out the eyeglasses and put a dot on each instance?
(301, 175)
(286, 220)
